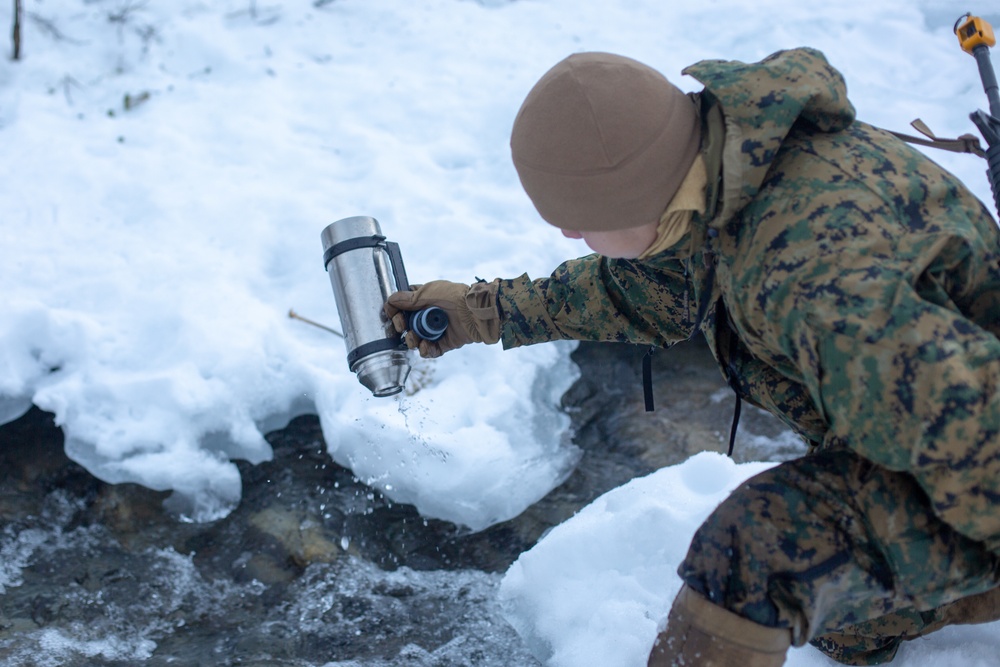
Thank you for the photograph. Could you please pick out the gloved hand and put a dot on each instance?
(473, 316)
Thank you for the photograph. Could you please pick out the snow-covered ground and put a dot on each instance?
(170, 165)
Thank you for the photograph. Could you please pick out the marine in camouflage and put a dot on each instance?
(860, 288)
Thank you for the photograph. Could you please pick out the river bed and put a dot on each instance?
(314, 568)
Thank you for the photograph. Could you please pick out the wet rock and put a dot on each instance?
(302, 537)
(127, 510)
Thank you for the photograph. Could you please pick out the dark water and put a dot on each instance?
(314, 568)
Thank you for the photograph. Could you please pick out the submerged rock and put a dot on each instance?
(314, 567)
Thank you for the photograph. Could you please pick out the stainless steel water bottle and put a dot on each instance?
(364, 269)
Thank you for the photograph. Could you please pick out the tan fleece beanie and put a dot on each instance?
(602, 142)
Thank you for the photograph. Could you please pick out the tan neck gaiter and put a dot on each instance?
(676, 219)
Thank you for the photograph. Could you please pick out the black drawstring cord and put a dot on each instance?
(722, 325)
(647, 359)
(647, 377)
(736, 423)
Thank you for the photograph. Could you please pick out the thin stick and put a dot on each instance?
(295, 316)
(17, 29)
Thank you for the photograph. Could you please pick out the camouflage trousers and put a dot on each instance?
(847, 554)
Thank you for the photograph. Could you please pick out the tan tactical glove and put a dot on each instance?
(473, 316)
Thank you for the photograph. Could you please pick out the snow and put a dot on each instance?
(596, 589)
(170, 165)
(609, 571)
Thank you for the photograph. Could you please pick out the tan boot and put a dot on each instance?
(703, 634)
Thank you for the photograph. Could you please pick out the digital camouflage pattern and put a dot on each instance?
(862, 284)
(846, 553)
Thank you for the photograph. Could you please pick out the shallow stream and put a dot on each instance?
(314, 568)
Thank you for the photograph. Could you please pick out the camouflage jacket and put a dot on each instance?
(859, 279)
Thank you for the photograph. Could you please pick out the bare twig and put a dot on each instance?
(295, 316)
(123, 14)
(68, 83)
(17, 29)
(49, 27)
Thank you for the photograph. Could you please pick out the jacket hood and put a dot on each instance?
(760, 103)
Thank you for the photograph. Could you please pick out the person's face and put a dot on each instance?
(619, 244)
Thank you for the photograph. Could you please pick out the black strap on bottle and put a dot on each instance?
(352, 244)
(374, 346)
